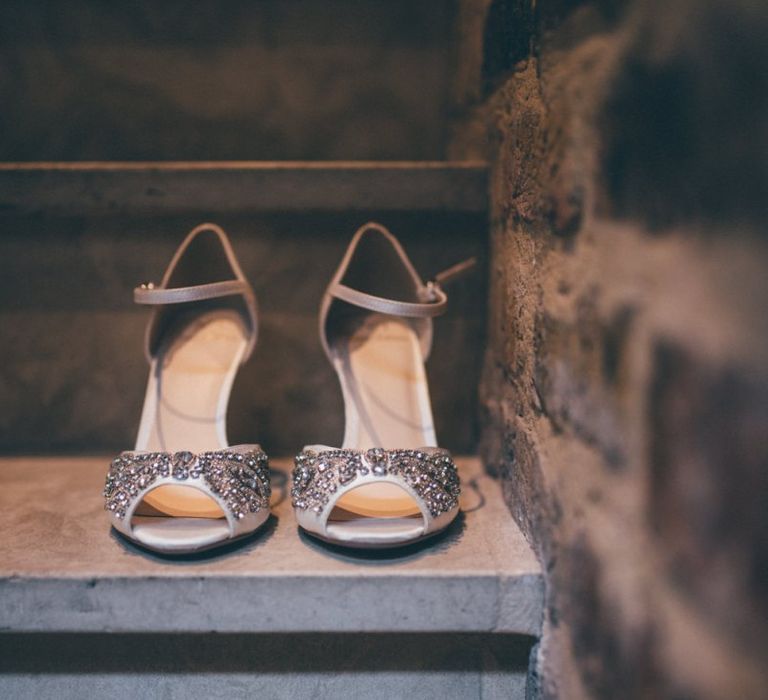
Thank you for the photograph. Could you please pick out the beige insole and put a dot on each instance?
(387, 405)
(185, 409)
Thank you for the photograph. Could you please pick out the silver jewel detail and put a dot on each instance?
(433, 476)
(241, 480)
(182, 462)
(377, 458)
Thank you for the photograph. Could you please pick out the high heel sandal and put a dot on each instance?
(182, 488)
(389, 484)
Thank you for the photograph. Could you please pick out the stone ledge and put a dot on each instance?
(63, 571)
(234, 186)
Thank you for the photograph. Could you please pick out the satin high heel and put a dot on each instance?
(182, 488)
(389, 484)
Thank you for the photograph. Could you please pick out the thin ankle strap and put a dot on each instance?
(149, 294)
(434, 304)
(454, 272)
(165, 294)
(420, 301)
(435, 299)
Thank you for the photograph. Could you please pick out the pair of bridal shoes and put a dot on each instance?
(183, 488)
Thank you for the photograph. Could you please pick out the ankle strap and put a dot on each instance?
(435, 299)
(434, 304)
(163, 296)
(455, 271)
(149, 294)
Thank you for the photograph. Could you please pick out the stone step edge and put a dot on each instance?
(248, 186)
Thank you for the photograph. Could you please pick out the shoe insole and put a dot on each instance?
(386, 399)
(185, 409)
(372, 531)
(180, 534)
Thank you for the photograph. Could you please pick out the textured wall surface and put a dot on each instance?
(72, 370)
(626, 384)
(223, 79)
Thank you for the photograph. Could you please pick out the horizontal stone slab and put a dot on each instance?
(62, 570)
(234, 186)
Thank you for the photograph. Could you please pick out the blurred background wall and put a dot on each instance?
(625, 390)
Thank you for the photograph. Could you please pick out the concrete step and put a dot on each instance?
(242, 187)
(84, 613)
(62, 570)
(271, 79)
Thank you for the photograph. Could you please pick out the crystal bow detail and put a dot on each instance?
(318, 475)
(239, 479)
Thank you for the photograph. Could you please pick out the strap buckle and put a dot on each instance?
(432, 291)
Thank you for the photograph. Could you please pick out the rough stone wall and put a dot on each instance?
(625, 388)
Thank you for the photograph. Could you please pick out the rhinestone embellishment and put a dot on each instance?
(317, 476)
(240, 479)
